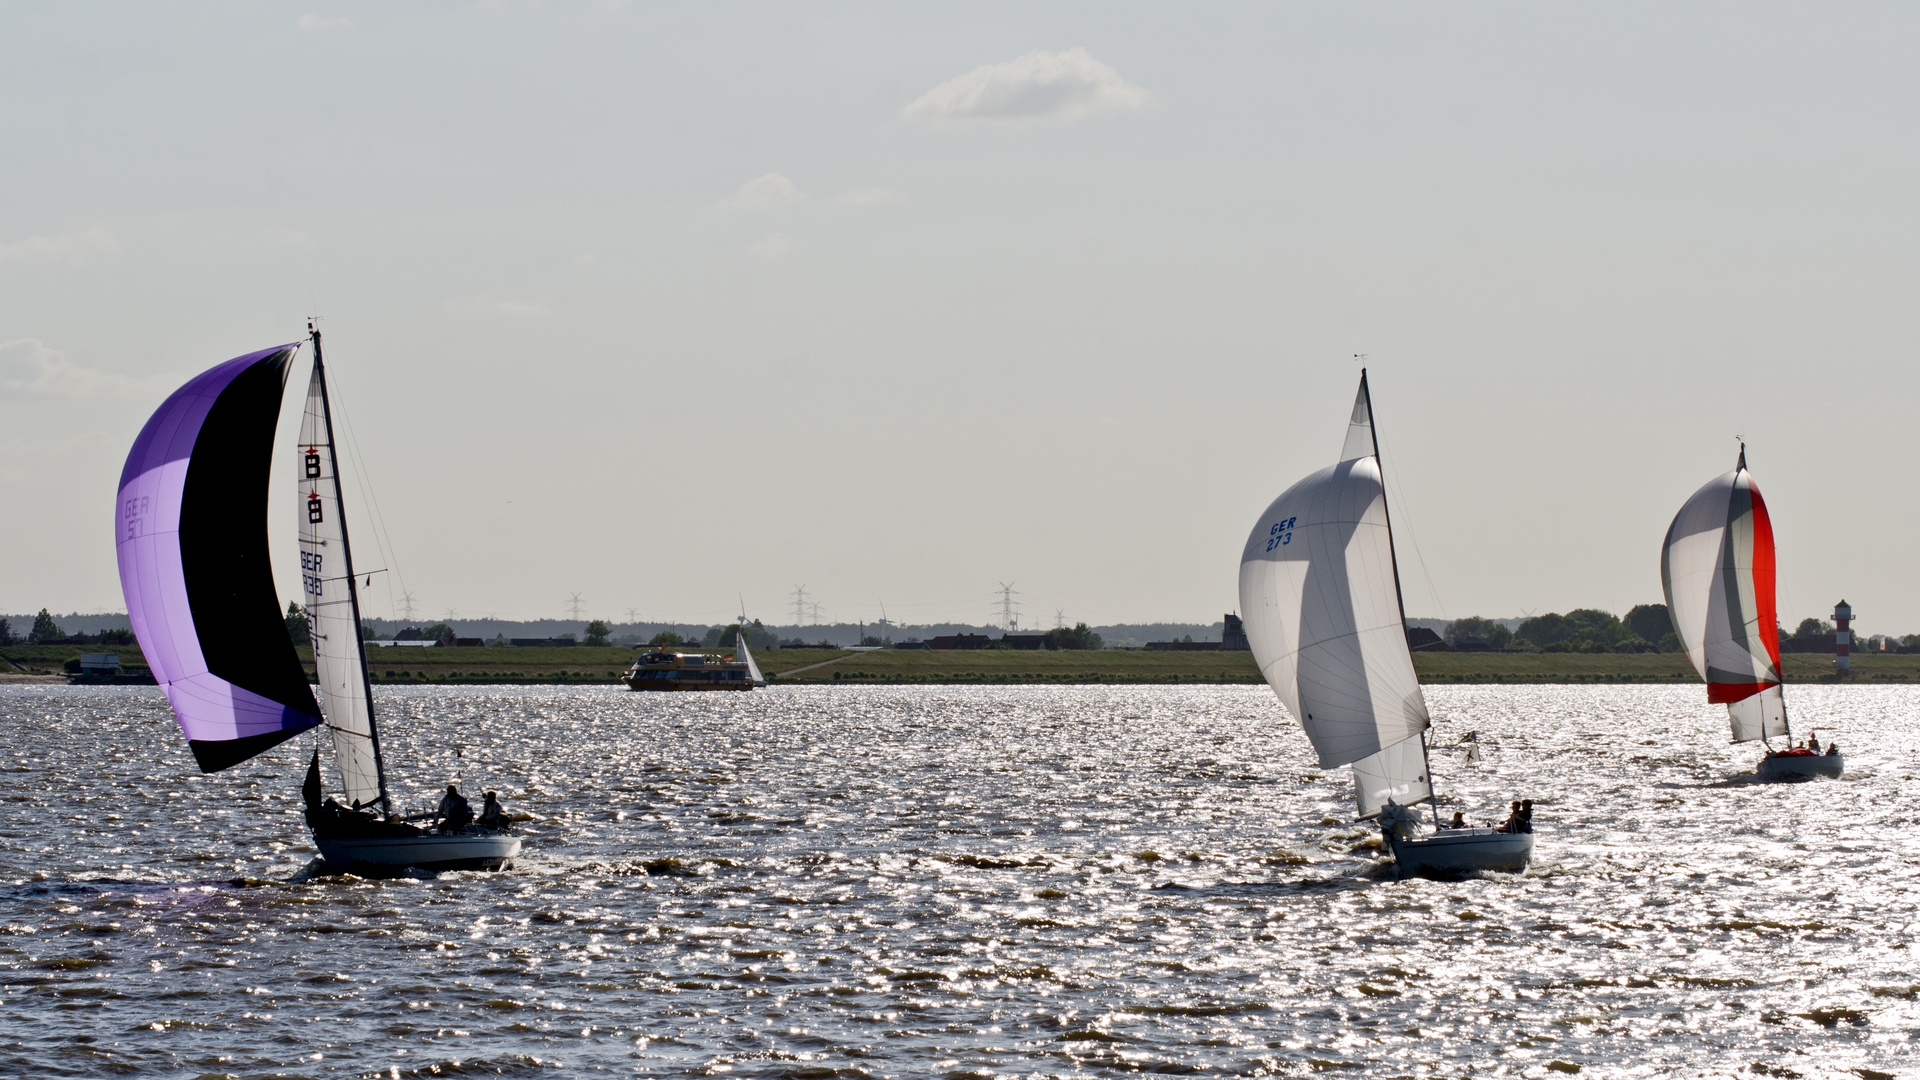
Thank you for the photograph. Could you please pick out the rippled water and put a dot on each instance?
(963, 882)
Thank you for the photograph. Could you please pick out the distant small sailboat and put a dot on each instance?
(1717, 566)
(192, 544)
(1321, 592)
(1472, 742)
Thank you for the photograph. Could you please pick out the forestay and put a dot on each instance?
(1321, 603)
(191, 536)
(1717, 566)
(326, 570)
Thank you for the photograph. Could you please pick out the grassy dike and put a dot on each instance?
(580, 665)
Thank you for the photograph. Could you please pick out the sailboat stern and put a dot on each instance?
(386, 856)
(1801, 767)
(1452, 852)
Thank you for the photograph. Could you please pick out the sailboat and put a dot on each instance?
(1717, 566)
(1321, 592)
(191, 537)
(744, 655)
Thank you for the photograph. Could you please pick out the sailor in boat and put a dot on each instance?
(1813, 743)
(454, 812)
(491, 814)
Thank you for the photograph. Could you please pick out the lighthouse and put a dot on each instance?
(1842, 638)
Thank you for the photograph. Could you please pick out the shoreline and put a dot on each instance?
(585, 666)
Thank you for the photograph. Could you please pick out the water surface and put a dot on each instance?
(963, 882)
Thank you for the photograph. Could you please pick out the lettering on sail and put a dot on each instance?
(1281, 534)
(135, 513)
(310, 572)
(313, 508)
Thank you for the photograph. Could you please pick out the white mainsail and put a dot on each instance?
(1717, 566)
(333, 619)
(1321, 598)
(746, 654)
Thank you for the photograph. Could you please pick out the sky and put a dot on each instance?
(677, 307)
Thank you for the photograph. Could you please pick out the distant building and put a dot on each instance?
(468, 642)
(1026, 642)
(99, 663)
(911, 645)
(1421, 639)
(540, 642)
(1184, 646)
(1234, 637)
(960, 641)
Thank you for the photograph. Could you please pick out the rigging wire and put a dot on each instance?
(382, 538)
(1412, 533)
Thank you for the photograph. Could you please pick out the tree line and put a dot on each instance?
(1644, 628)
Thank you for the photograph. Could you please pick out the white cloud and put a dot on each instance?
(767, 192)
(870, 197)
(773, 246)
(311, 23)
(29, 369)
(1038, 88)
(72, 248)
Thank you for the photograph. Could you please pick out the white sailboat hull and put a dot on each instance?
(1462, 851)
(1801, 767)
(385, 855)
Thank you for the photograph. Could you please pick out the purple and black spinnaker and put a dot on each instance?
(191, 530)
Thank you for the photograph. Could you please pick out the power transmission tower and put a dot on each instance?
(632, 616)
(452, 614)
(814, 610)
(1060, 618)
(406, 606)
(1008, 620)
(799, 604)
(573, 607)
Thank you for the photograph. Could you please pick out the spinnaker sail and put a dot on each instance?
(333, 611)
(1717, 566)
(1320, 596)
(191, 537)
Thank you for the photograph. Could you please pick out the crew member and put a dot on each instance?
(491, 815)
(1512, 824)
(454, 812)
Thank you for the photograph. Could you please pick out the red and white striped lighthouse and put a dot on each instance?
(1842, 637)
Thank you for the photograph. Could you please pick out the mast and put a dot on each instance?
(346, 556)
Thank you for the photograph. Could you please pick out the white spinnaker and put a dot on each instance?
(1717, 568)
(1398, 773)
(327, 572)
(753, 669)
(1322, 611)
(1758, 716)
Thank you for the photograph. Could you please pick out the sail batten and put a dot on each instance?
(1717, 567)
(1320, 599)
(191, 541)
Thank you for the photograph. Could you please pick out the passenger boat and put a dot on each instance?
(697, 671)
(1717, 567)
(191, 534)
(1320, 596)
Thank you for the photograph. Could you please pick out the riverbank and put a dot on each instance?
(582, 665)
